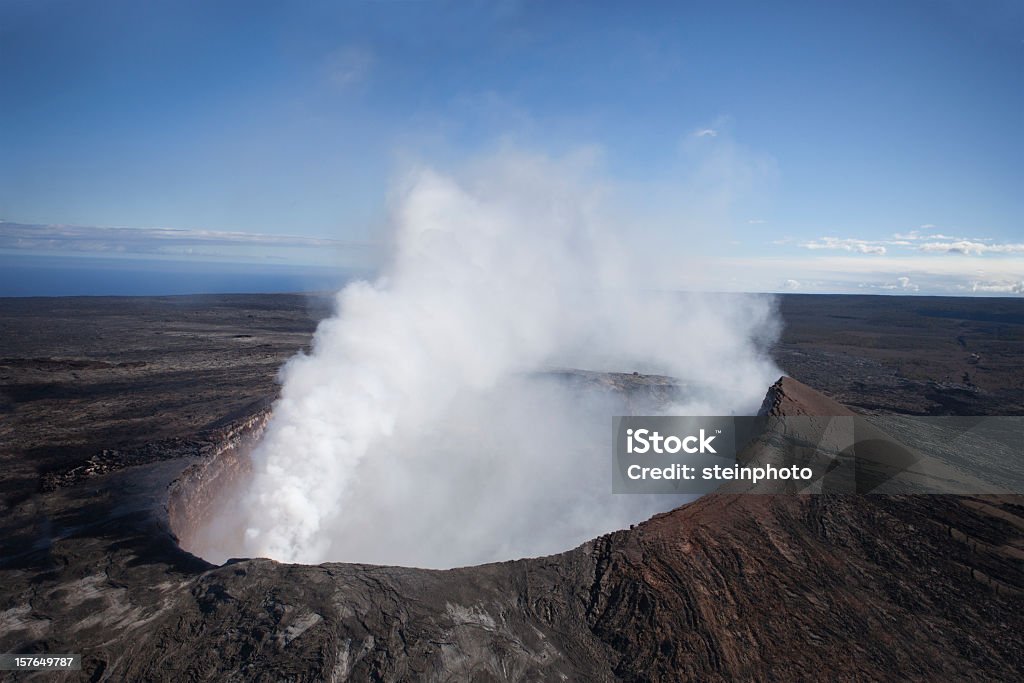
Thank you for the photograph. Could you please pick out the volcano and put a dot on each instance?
(728, 587)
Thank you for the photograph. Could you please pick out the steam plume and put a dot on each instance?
(419, 430)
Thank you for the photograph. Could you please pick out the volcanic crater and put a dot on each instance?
(102, 483)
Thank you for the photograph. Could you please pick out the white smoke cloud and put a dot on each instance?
(421, 430)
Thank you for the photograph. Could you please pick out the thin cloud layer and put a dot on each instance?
(999, 287)
(833, 243)
(914, 240)
(971, 247)
(79, 239)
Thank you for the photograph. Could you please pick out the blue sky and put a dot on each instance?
(861, 146)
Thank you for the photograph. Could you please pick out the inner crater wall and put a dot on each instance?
(207, 486)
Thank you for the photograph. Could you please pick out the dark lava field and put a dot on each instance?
(104, 402)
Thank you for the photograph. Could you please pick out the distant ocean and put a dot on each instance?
(22, 275)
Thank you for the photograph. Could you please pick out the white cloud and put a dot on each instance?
(912, 235)
(902, 284)
(915, 235)
(791, 285)
(706, 133)
(848, 272)
(755, 221)
(971, 247)
(834, 243)
(905, 283)
(1003, 287)
(932, 244)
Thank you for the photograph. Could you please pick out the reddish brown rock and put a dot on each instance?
(791, 398)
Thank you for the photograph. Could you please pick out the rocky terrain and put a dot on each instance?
(907, 354)
(105, 461)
